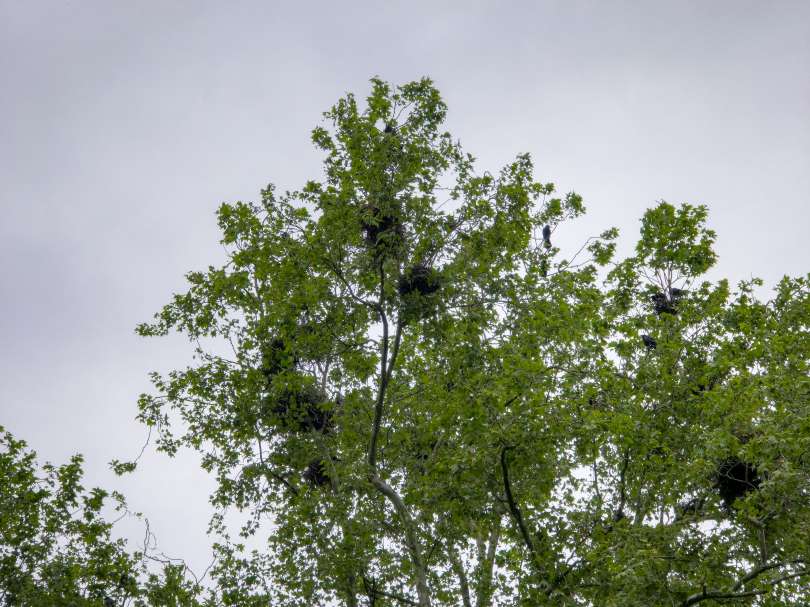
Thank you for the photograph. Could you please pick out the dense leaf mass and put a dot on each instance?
(507, 426)
(735, 479)
(418, 279)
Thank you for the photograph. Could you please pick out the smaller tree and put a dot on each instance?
(56, 549)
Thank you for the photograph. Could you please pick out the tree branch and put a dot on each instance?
(378, 406)
(348, 286)
(394, 350)
(462, 576)
(619, 514)
(411, 540)
(735, 591)
(484, 587)
(515, 511)
(386, 371)
(269, 471)
(371, 589)
(719, 595)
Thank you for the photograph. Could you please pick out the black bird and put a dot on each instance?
(389, 128)
(649, 342)
(547, 236)
(316, 473)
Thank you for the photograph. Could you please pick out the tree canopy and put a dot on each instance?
(417, 399)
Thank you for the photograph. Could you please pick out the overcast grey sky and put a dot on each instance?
(124, 124)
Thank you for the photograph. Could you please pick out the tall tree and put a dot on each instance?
(430, 406)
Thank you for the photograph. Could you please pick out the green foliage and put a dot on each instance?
(56, 549)
(676, 239)
(486, 423)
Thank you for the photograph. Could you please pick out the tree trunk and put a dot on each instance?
(411, 540)
(485, 567)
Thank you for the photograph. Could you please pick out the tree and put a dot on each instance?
(56, 549)
(430, 406)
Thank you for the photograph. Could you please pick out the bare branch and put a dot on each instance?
(372, 590)
(734, 592)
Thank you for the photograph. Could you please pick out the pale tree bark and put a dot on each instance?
(464, 585)
(411, 539)
(486, 563)
(409, 525)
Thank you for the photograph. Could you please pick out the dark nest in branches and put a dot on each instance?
(316, 473)
(417, 287)
(735, 479)
(664, 303)
(419, 279)
(304, 410)
(690, 507)
(380, 226)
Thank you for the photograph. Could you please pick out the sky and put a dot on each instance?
(124, 125)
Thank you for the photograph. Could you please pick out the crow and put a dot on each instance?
(547, 236)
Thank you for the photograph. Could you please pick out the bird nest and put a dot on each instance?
(667, 303)
(735, 479)
(303, 409)
(419, 279)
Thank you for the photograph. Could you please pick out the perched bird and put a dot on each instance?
(649, 342)
(316, 473)
(389, 128)
(547, 236)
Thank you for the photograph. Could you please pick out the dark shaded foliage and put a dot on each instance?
(649, 342)
(379, 226)
(420, 279)
(277, 357)
(735, 479)
(690, 507)
(303, 410)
